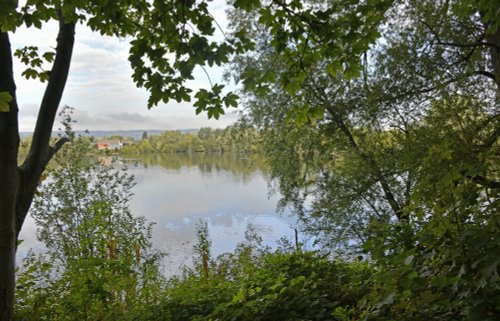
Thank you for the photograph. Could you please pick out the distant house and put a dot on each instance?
(105, 144)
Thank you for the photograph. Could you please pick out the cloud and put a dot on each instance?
(160, 118)
(113, 121)
(135, 117)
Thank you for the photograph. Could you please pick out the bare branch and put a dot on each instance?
(487, 74)
(57, 146)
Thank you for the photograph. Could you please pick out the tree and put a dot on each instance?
(398, 160)
(330, 132)
(99, 263)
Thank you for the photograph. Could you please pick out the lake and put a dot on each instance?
(228, 191)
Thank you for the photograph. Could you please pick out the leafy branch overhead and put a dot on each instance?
(301, 33)
(304, 33)
(29, 56)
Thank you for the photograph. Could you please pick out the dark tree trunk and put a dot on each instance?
(9, 181)
(18, 184)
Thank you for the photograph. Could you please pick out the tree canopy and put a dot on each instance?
(399, 160)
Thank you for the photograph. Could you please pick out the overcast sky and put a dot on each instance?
(100, 87)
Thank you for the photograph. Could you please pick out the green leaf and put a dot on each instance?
(231, 100)
(247, 5)
(5, 99)
(49, 56)
(334, 67)
(440, 281)
(409, 259)
(389, 299)
(352, 71)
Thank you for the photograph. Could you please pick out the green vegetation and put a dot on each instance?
(99, 264)
(251, 283)
(398, 160)
(254, 283)
(236, 138)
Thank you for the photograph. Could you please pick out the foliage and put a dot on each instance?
(168, 40)
(298, 286)
(234, 138)
(445, 257)
(398, 162)
(254, 283)
(299, 34)
(303, 33)
(202, 248)
(99, 264)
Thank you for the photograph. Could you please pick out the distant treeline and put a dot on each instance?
(236, 138)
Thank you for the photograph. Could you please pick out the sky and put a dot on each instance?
(100, 87)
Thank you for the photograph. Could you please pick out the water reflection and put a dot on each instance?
(229, 191)
(241, 165)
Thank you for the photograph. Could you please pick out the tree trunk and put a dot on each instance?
(8, 186)
(18, 184)
(9, 182)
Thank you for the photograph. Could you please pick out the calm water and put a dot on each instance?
(175, 191)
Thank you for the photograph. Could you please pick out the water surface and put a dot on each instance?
(228, 191)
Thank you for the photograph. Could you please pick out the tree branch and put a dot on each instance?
(486, 74)
(488, 143)
(378, 173)
(337, 119)
(486, 182)
(495, 56)
(478, 43)
(57, 146)
(40, 152)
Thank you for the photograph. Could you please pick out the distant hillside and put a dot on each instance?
(136, 134)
